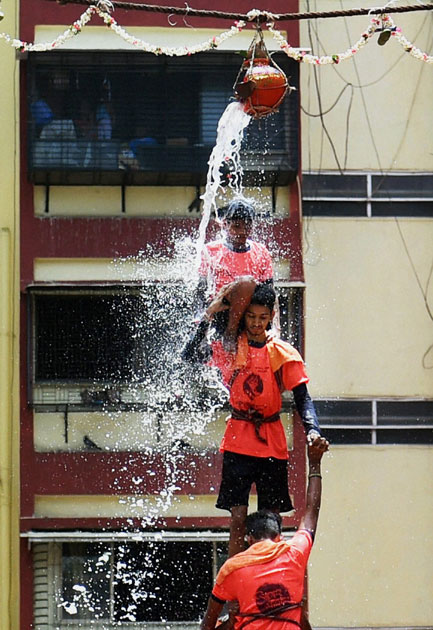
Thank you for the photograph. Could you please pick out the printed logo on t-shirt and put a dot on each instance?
(270, 597)
(253, 386)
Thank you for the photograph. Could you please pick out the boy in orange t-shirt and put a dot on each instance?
(232, 265)
(267, 580)
(254, 443)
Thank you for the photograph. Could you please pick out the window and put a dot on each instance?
(99, 346)
(125, 584)
(376, 421)
(128, 118)
(371, 195)
(115, 346)
(290, 301)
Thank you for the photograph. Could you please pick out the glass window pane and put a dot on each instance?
(405, 412)
(291, 314)
(334, 185)
(334, 208)
(86, 581)
(103, 337)
(402, 209)
(405, 436)
(344, 412)
(161, 581)
(348, 436)
(386, 186)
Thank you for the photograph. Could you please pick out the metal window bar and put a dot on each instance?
(377, 427)
(373, 195)
(126, 119)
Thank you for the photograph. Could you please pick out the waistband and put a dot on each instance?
(256, 418)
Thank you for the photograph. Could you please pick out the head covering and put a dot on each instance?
(239, 209)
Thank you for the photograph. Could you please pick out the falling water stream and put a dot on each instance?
(181, 400)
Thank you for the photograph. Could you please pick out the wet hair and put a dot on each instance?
(264, 295)
(239, 209)
(263, 524)
(221, 212)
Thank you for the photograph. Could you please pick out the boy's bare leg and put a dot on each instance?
(237, 529)
(239, 297)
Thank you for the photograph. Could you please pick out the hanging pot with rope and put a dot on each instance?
(260, 85)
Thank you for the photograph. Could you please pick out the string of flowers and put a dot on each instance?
(383, 23)
(211, 43)
(76, 27)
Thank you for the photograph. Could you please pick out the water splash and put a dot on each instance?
(226, 152)
(178, 399)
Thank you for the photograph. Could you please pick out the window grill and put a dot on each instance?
(110, 346)
(368, 195)
(128, 118)
(376, 421)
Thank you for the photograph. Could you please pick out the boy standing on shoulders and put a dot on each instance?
(233, 264)
(254, 443)
(267, 580)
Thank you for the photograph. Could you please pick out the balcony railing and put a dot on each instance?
(124, 118)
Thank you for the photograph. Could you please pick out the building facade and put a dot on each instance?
(117, 472)
(367, 261)
(9, 328)
(119, 466)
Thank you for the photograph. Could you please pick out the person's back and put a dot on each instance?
(267, 580)
(271, 589)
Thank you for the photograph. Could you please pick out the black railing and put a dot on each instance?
(134, 118)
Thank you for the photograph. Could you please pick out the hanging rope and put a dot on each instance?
(384, 24)
(261, 16)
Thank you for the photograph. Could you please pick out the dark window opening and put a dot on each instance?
(139, 119)
(121, 347)
(376, 422)
(138, 582)
(387, 195)
(106, 336)
(333, 208)
(334, 185)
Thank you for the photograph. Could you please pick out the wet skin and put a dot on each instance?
(237, 231)
(257, 318)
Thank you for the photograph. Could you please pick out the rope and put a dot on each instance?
(259, 17)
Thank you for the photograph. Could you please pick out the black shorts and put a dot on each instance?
(268, 473)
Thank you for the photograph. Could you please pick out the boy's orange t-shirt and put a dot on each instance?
(224, 265)
(255, 388)
(259, 588)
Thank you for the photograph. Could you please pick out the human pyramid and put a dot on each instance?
(263, 584)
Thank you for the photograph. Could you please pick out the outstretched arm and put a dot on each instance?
(314, 488)
(212, 613)
(305, 408)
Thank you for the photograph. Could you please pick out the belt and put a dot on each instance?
(256, 418)
(273, 615)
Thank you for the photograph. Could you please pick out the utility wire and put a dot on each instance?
(263, 17)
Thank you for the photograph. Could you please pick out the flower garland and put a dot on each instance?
(78, 25)
(383, 23)
(211, 43)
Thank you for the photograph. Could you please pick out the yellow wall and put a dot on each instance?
(389, 115)
(9, 562)
(367, 326)
(371, 564)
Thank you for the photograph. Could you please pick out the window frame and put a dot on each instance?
(281, 166)
(370, 198)
(375, 427)
(48, 545)
(67, 396)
